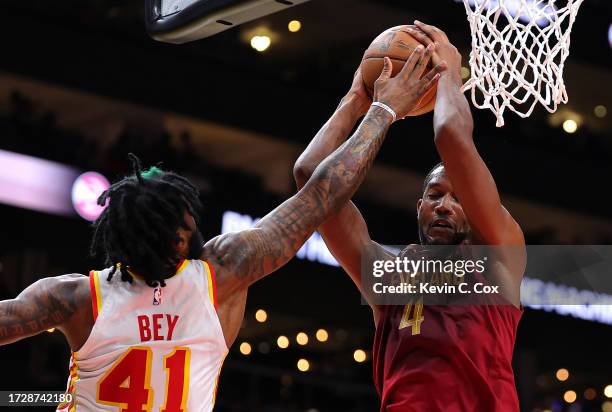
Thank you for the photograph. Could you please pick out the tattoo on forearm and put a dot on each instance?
(279, 235)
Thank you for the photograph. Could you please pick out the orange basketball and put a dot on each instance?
(397, 44)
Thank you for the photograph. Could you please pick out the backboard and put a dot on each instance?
(181, 21)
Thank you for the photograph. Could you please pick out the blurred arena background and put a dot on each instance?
(81, 84)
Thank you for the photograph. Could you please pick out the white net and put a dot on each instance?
(518, 53)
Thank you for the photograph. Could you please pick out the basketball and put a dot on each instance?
(397, 44)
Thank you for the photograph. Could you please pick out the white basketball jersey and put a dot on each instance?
(150, 349)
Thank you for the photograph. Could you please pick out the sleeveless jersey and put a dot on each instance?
(150, 349)
(446, 358)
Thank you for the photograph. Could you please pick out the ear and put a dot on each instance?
(182, 243)
(419, 203)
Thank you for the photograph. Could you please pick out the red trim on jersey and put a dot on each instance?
(94, 294)
(214, 284)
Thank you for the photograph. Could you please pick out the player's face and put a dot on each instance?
(191, 241)
(440, 215)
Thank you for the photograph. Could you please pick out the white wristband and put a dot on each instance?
(387, 108)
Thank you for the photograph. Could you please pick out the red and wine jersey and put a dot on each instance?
(446, 358)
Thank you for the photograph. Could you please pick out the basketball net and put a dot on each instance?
(518, 53)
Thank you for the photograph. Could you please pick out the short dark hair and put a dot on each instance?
(429, 175)
(138, 227)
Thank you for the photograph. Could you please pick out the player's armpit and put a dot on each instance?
(476, 189)
(472, 181)
(47, 303)
(348, 239)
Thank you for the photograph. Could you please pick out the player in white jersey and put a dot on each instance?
(150, 332)
(167, 339)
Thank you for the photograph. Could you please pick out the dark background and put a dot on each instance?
(81, 83)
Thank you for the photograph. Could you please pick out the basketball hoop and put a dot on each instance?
(518, 53)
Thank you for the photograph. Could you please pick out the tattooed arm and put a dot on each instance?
(56, 302)
(346, 232)
(241, 258)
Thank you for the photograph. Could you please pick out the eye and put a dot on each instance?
(434, 195)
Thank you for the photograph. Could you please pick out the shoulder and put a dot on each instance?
(229, 251)
(61, 297)
(73, 287)
(72, 282)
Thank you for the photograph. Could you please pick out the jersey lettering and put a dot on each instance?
(153, 327)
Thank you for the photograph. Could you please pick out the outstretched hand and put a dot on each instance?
(403, 91)
(445, 51)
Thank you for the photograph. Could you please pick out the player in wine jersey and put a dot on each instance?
(435, 358)
(151, 331)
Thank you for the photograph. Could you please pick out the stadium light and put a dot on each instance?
(590, 394)
(570, 126)
(294, 26)
(302, 338)
(562, 374)
(282, 342)
(569, 396)
(360, 356)
(261, 316)
(245, 348)
(260, 43)
(303, 365)
(600, 111)
(322, 335)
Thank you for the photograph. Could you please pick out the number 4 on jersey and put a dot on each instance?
(127, 384)
(417, 317)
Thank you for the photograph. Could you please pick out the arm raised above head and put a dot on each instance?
(453, 126)
(345, 233)
(242, 258)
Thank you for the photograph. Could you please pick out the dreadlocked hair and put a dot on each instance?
(138, 228)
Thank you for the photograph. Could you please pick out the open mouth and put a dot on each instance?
(441, 224)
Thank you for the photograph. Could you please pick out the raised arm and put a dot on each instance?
(242, 258)
(453, 126)
(345, 233)
(49, 303)
(335, 131)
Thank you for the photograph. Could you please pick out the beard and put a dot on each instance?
(457, 238)
(196, 246)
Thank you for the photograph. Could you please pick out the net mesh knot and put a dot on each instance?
(519, 48)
